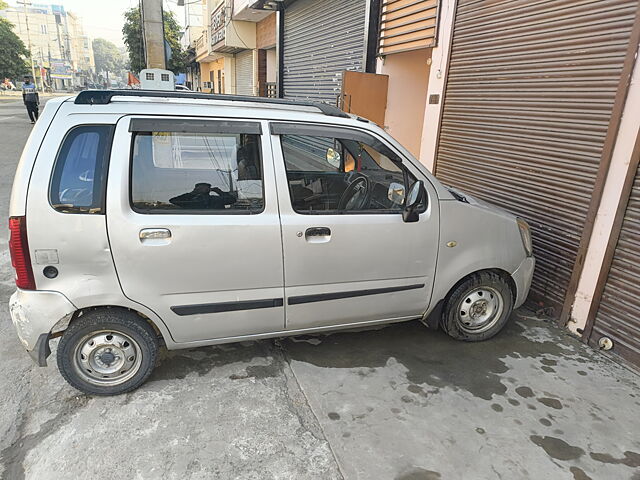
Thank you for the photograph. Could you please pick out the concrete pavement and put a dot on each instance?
(399, 402)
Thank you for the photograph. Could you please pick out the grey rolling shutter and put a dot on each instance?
(617, 316)
(529, 94)
(321, 39)
(244, 73)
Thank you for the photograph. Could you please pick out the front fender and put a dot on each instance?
(476, 237)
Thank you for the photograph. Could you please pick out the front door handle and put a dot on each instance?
(155, 236)
(317, 234)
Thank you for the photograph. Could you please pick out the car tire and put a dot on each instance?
(107, 352)
(478, 307)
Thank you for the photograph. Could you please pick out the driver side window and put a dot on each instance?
(341, 175)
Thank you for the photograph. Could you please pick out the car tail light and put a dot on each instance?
(19, 250)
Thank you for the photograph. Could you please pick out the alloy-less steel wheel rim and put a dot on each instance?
(107, 358)
(480, 309)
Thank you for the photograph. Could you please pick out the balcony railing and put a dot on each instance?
(270, 90)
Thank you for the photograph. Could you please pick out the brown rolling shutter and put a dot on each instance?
(618, 315)
(407, 25)
(528, 99)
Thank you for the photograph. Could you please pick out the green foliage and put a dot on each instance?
(3, 5)
(13, 53)
(107, 56)
(132, 32)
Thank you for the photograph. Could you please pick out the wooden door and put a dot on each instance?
(365, 94)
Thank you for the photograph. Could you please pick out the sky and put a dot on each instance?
(103, 18)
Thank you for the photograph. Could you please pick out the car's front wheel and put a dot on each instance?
(478, 308)
(107, 352)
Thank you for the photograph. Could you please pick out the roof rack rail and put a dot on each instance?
(103, 97)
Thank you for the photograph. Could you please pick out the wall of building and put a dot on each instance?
(266, 32)
(209, 68)
(408, 82)
(439, 62)
(240, 34)
(272, 65)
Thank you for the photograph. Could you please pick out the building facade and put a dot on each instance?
(82, 61)
(236, 48)
(193, 26)
(62, 54)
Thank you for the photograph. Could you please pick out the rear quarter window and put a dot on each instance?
(79, 175)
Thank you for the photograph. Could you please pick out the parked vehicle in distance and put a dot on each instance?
(182, 88)
(218, 212)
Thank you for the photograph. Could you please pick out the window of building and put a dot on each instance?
(330, 174)
(79, 175)
(43, 29)
(199, 171)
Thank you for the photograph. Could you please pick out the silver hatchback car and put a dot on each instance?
(141, 219)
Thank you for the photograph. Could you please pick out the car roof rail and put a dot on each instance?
(104, 97)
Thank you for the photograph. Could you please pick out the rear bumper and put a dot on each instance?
(522, 278)
(34, 313)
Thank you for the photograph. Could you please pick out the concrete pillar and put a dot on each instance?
(153, 33)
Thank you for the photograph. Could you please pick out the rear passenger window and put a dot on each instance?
(79, 176)
(205, 168)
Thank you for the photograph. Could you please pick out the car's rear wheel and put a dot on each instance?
(107, 352)
(478, 308)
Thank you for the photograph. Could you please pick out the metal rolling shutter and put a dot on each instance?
(530, 89)
(321, 39)
(244, 73)
(617, 316)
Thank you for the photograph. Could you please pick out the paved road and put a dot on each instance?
(394, 403)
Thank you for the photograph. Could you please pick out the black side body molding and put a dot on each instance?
(184, 310)
(322, 297)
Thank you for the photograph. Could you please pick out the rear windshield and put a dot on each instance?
(79, 176)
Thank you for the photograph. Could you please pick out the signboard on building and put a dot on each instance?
(218, 25)
(61, 69)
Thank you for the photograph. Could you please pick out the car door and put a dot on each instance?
(348, 255)
(193, 225)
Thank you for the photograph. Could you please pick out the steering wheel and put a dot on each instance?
(356, 195)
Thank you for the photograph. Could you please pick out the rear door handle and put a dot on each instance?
(155, 236)
(317, 234)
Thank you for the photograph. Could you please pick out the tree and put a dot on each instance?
(13, 53)
(107, 56)
(132, 32)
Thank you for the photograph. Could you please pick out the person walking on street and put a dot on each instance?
(30, 98)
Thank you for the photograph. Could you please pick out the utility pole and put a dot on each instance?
(26, 19)
(153, 33)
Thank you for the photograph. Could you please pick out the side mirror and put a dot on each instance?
(416, 195)
(333, 158)
(396, 193)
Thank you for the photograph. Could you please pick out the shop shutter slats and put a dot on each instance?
(244, 73)
(407, 25)
(530, 90)
(321, 39)
(618, 315)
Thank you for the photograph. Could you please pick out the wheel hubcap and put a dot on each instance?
(107, 358)
(480, 309)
